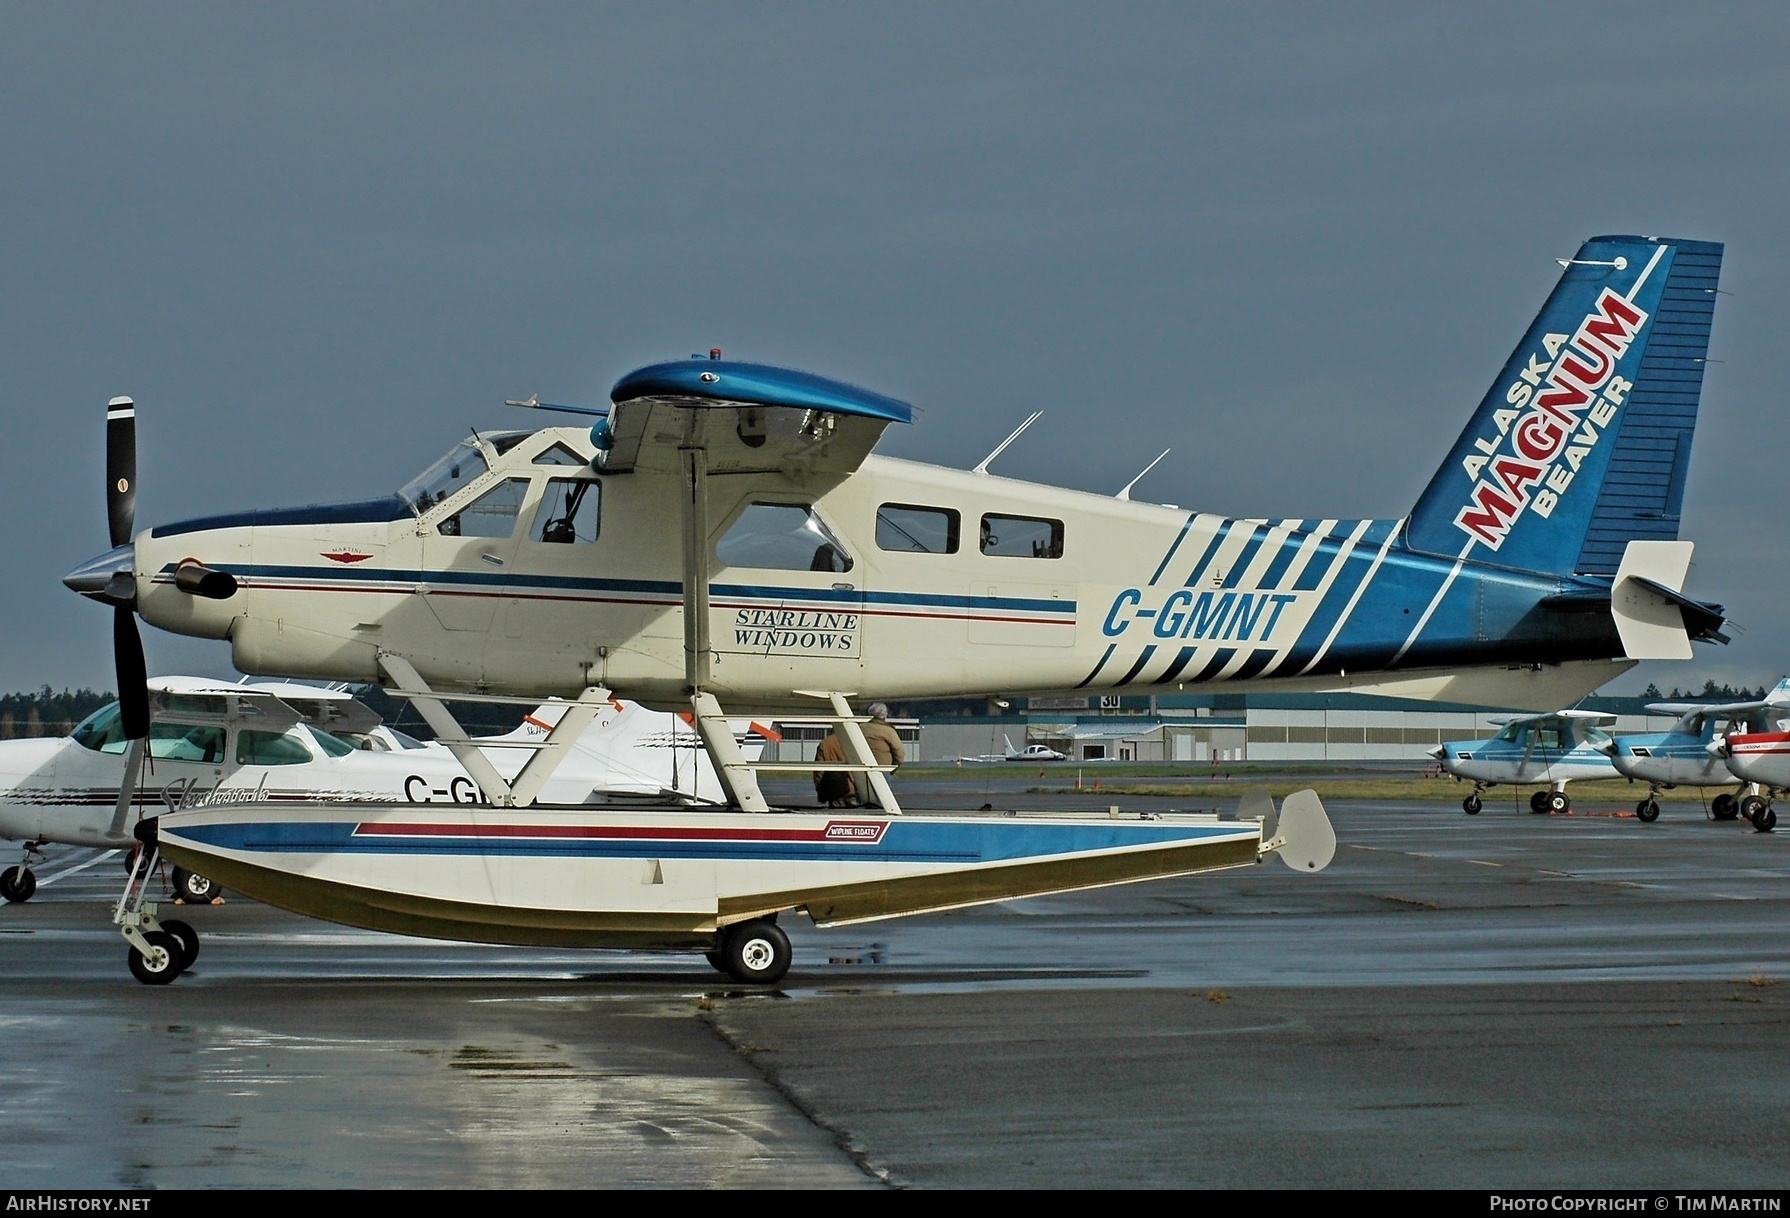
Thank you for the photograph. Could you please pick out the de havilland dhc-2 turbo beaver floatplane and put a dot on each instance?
(722, 540)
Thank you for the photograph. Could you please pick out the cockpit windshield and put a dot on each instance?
(460, 467)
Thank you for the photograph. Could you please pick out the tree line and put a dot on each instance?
(45, 712)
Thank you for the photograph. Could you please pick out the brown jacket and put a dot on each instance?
(832, 749)
(885, 743)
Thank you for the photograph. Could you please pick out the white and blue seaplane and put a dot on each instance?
(723, 540)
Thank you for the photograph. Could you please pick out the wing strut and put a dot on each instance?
(737, 778)
(535, 772)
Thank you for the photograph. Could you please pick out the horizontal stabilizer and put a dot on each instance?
(1300, 833)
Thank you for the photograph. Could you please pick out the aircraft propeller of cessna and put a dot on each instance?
(723, 539)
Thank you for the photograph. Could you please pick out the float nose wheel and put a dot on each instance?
(753, 953)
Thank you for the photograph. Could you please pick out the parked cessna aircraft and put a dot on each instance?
(1758, 752)
(1551, 750)
(1693, 752)
(723, 534)
(1031, 752)
(280, 742)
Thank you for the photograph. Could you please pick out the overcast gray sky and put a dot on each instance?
(1295, 243)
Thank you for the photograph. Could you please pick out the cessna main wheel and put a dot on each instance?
(1752, 806)
(755, 952)
(17, 884)
(1724, 807)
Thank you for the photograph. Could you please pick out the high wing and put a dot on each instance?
(1564, 718)
(749, 418)
(1778, 696)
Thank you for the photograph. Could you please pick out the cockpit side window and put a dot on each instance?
(492, 514)
(463, 464)
(781, 537)
(102, 731)
(569, 512)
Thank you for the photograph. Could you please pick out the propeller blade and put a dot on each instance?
(133, 672)
(121, 469)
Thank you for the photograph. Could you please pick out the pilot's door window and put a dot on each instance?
(492, 514)
(468, 557)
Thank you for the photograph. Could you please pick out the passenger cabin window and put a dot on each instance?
(333, 746)
(186, 742)
(781, 537)
(910, 529)
(269, 748)
(1022, 537)
(492, 514)
(568, 512)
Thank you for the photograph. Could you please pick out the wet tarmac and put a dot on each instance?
(1500, 1001)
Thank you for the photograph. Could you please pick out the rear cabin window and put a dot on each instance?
(269, 748)
(1022, 537)
(911, 529)
(781, 537)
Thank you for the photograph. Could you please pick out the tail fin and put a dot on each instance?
(1581, 445)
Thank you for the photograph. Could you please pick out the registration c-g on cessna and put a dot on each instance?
(726, 529)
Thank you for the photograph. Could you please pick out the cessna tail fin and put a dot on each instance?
(1582, 443)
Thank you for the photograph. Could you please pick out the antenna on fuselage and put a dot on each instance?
(1125, 492)
(982, 467)
(534, 402)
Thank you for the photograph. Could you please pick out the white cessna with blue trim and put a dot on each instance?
(723, 540)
